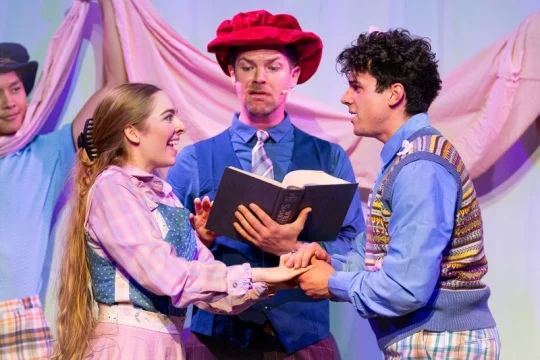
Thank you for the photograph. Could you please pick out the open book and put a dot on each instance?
(329, 198)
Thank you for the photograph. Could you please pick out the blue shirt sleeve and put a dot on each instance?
(184, 177)
(423, 208)
(353, 260)
(354, 220)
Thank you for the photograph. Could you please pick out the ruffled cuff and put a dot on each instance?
(239, 279)
(240, 282)
(261, 291)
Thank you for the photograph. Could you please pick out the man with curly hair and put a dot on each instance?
(417, 268)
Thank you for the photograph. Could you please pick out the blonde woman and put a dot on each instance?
(131, 239)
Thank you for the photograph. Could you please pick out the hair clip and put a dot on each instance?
(86, 140)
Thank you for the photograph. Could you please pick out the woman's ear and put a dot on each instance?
(132, 134)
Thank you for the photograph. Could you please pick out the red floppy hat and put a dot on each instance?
(260, 28)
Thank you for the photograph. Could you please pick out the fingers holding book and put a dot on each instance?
(260, 229)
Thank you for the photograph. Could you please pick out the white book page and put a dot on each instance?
(263, 178)
(301, 178)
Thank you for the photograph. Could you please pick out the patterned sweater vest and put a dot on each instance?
(463, 262)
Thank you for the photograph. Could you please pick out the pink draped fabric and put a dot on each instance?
(489, 102)
(484, 107)
(61, 55)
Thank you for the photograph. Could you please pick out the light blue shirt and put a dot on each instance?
(31, 182)
(279, 146)
(424, 199)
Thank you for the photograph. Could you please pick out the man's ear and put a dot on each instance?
(231, 73)
(295, 74)
(397, 94)
(132, 134)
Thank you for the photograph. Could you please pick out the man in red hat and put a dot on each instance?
(32, 180)
(265, 56)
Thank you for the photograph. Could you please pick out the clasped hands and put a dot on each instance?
(313, 282)
(306, 265)
(282, 240)
(264, 233)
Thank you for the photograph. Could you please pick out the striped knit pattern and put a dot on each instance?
(261, 164)
(481, 344)
(463, 263)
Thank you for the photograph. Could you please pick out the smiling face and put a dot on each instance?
(12, 103)
(371, 109)
(262, 78)
(154, 146)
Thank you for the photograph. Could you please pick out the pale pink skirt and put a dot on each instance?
(134, 334)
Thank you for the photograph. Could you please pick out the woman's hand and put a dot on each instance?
(276, 275)
(199, 220)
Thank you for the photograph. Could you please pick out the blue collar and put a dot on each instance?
(394, 144)
(246, 132)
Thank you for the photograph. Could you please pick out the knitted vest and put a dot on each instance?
(463, 262)
(460, 299)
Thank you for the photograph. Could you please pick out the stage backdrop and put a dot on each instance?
(459, 30)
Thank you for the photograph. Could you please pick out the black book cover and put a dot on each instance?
(329, 204)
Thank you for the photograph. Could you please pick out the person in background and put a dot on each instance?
(31, 182)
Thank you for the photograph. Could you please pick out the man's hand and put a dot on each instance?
(198, 221)
(302, 255)
(315, 281)
(267, 234)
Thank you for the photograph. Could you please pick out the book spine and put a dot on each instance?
(287, 205)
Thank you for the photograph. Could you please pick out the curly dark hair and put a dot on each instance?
(396, 57)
